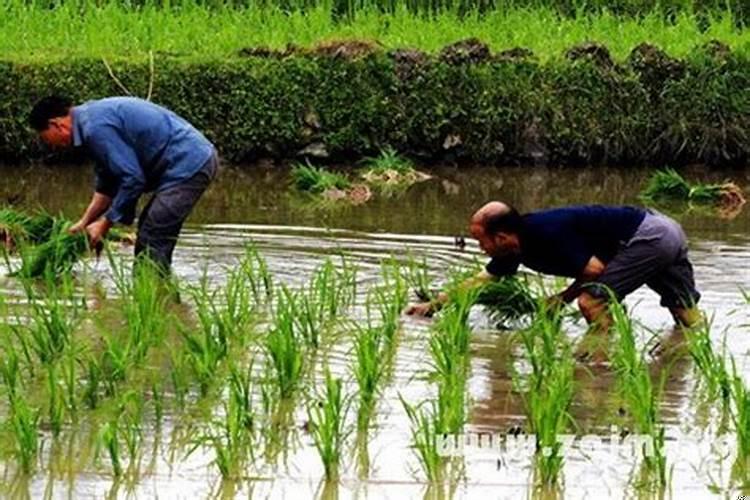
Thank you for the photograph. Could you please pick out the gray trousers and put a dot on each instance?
(161, 221)
(657, 256)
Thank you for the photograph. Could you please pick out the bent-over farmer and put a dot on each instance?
(609, 251)
(137, 147)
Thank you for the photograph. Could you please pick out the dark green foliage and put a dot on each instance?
(581, 108)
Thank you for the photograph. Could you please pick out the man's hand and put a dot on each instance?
(97, 231)
(555, 302)
(78, 227)
(425, 309)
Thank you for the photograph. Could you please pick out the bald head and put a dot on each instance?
(489, 211)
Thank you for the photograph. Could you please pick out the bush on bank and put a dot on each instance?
(351, 99)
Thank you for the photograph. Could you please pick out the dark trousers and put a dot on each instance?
(161, 221)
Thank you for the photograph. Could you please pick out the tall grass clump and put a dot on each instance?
(548, 388)
(640, 394)
(390, 170)
(317, 180)
(327, 416)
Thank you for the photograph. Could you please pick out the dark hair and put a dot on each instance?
(504, 222)
(48, 108)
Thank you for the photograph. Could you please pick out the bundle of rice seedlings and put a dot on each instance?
(667, 185)
(55, 256)
(507, 299)
(17, 226)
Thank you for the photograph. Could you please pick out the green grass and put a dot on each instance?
(317, 180)
(190, 29)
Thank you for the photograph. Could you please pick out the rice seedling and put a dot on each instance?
(9, 370)
(53, 320)
(711, 366)
(232, 437)
(56, 401)
(109, 439)
(93, 381)
(284, 348)
(368, 370)
(548, 388)
(667, 184)
(144, 301)
(327, 416)
(419, 280)
(24, 423)
(205, 349)
(257, 277)
(741, 421)
(641, 397)
(425, 431)
(317, 180)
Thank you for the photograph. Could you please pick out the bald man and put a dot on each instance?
(608, 251)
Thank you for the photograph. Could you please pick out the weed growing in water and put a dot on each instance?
(327, 416)
(317, 180)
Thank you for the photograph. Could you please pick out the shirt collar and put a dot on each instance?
(79, 117)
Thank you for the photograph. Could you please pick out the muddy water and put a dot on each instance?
(294, 236)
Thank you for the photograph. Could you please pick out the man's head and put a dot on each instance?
(52, 118)
(497, 227)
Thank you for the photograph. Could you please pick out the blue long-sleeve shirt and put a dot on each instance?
(138, 147)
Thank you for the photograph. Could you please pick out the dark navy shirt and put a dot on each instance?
(561, 241)
(138, 147)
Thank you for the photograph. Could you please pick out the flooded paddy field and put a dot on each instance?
(170, 425)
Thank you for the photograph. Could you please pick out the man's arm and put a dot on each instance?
(99, 203)
(594, 268)
(427, 308)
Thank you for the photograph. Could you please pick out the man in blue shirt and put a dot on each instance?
(137, 147)
(608, 251)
